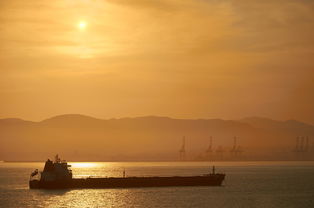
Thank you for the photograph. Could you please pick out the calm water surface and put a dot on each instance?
(248, 184)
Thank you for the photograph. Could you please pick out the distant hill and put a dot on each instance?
(14, 121)
(80, 137)
(265, 123)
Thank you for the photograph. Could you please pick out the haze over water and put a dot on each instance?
(248, 184)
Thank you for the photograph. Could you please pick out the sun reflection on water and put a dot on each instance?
(83, 164)
(90, 169)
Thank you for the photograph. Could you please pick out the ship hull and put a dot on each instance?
(130, 182)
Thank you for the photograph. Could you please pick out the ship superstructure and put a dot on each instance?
(57, 171)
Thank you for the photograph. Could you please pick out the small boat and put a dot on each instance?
(58, 175)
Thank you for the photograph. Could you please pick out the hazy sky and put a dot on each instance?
(177, 58)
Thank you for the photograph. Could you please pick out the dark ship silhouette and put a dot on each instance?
(58, 175)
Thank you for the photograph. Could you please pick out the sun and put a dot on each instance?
(82, 25)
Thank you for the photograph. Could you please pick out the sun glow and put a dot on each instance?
(82, 25)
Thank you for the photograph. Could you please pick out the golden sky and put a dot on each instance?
(179, 58)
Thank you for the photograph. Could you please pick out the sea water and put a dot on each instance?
(247, 184)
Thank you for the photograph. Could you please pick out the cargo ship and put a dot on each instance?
(58, 175)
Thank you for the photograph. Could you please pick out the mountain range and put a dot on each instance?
(83, 138)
